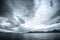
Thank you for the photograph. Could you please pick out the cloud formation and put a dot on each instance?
(23, 16)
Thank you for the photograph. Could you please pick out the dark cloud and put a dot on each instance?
(57, 14)
(5, 10)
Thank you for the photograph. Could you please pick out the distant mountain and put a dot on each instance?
(52, 31)
(36, 32)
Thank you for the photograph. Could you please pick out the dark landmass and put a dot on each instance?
(53, 31)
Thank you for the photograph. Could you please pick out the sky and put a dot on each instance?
(27, 15)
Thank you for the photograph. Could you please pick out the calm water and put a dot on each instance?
(30, 36)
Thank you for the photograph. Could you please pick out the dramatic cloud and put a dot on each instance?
(26, 15)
